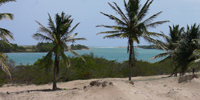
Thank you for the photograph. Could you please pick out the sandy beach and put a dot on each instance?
(144, 88)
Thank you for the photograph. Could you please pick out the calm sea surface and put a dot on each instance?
(118, 54)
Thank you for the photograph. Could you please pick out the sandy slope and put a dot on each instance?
(144, 88)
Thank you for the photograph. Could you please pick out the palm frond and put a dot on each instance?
(5, 1)
(144, 10)
(51, 24)
(47, 61)
(39, 36)
(44, 29)
(109, 32)
(117, 28)
(157, 42)
(64, 28)
(6, 16)
(152, 18)
(154, 24)
(117, 20)
(161, 55)
(135, 38)
(112, 36)
(3, 65)
(65, 59)
(73, 28)
(5, 35)
(156, 34)
(118, 10)
(76, 54)
(74, 39)
(194, 64)
(163, 60)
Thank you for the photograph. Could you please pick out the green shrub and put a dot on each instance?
(94, 67)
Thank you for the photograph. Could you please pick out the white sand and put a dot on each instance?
(144, 88)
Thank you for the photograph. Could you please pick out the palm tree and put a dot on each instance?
(59, 33)
(4, 35)
(186, 47)
(175, 35)
(132, 25)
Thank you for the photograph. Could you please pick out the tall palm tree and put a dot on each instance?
(59, 33)
(175, 35)
(132, 25)
(4, 35)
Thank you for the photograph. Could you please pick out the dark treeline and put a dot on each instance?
(149, 47)
(45, 47)
(5, 47)
(40, 47)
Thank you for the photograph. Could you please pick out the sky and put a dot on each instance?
(87, 12)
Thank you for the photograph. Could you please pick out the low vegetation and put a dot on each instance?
(94, 67)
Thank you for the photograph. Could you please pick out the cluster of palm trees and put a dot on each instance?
(180, 46)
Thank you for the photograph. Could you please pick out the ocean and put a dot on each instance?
(118, 54)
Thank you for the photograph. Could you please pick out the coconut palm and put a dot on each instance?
(59, 33)
(186, 47)
(171, 43)
(132, 25)
(5, 35)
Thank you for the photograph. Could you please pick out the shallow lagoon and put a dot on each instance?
(118, 54)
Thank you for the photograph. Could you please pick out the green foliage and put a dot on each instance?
(40, 47)
(3, 77)
(5, 47)
(148, 47)
(94, 67)
(132, 25)
(59, 32)
(186, 47)
(30, 74)
(78, 47)
(44, 47)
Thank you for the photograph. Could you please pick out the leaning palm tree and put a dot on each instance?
(5, 35)
(132, 25)
(59, 33)
(175, 35)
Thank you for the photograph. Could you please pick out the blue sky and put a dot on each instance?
(87, 12)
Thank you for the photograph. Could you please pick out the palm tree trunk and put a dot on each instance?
(55, 72)
(131, 58)
(175, 72)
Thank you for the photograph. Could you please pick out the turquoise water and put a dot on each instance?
(118, 54)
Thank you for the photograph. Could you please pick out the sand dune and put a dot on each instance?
(144, 88)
